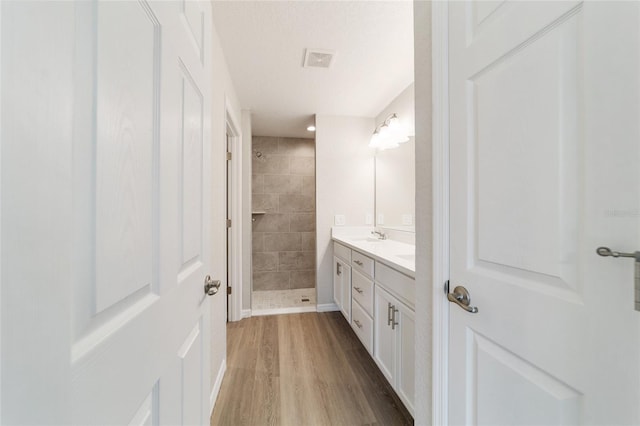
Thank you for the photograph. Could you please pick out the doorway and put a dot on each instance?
(283, 225)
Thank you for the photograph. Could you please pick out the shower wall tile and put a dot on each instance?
(257, 242)
(265, 261)
(296, 261)
(297, 147)
(293, 203)
(264, 145)
(301, 279)
(303, 222)
(263, 280)
(282, 241)
(283, 185)
(271, 164)
(257, 184)
(308, 185)
(265, 203)
(271, 223)
(303, 166)
(308, 241)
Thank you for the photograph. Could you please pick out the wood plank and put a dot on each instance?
(303, 369)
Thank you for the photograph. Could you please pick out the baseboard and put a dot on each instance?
(327, 307)
(217, 385)
(279, 311)
(246, 313)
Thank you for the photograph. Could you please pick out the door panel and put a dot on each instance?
(141, 320)
(542, 151)
(125, 147)
(190, 355)
(191, 188)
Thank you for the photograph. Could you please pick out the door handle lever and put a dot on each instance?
(460, 297)
(607, 252)
(211, 286)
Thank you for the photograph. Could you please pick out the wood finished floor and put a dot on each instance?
(302, 369)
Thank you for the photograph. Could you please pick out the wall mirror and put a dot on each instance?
(395, 187)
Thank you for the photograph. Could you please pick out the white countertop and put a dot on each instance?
(395, 254)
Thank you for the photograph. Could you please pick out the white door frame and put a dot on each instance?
(440, 187)
(235, 278)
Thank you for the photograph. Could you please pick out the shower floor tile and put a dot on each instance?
(282, 299)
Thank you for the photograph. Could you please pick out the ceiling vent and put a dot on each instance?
(318, 58)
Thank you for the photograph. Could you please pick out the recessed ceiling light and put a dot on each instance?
(311, 128)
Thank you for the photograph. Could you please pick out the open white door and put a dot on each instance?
(124, 88)
(544, 155)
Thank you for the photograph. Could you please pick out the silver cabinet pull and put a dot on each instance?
(338, 268)
(460, 297)
(607, 252)
(393, 317)
(358, 289)
(389, 308)
(211, 286)
(357, 262)
(357, 323)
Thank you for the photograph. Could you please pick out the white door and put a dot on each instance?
(118, 136)
(545, 155)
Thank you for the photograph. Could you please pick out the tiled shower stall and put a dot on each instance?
(283, 207)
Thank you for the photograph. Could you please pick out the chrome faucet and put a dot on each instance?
(381, 235)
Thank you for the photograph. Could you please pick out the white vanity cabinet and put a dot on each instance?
(378, 302)
(342, 279)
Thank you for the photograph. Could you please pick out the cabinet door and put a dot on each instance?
(338, 268)
(342, 287)
(405, 366)
(346, 292)
(384, 340)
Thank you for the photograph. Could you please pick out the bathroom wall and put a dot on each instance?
(283, 187)
(345, 186)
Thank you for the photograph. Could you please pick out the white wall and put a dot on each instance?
(344, 185)
(223, 94)
(246, 211)
(424, 234)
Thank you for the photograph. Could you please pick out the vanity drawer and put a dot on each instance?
(362, 291)
(398, 284)
(362, 324)
(342, 252)
(362, 263)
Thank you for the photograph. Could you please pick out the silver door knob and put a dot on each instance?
(211, 286)
(460, 297)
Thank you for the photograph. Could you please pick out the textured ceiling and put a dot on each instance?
(264, 43)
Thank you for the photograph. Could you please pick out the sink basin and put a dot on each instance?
(410, 257)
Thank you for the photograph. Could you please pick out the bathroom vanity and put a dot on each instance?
(374, 287)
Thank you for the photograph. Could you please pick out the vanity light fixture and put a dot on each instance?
(389, 134)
